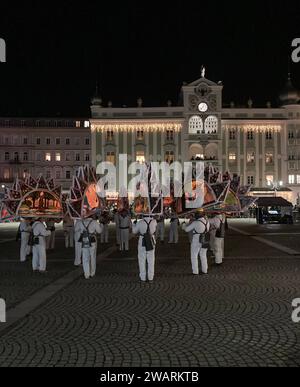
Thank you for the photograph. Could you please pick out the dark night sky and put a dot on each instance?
(136, 48)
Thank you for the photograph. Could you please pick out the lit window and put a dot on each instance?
(291, 179)
(269, 158)
(250, 157)
(86, 124)
(211, 124)
(48, 157)
(270, 179)
(169, 157)
(140, 135)
(195, 125)
(111, 157)
(109, 135)
(232, 156)
(140, 157)
(6, 174)
(78, 124)
(57, 157)
(298, 179)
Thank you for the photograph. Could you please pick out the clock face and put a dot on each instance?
(203, 107)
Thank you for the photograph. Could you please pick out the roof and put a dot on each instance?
(273, 202)
(203, 81)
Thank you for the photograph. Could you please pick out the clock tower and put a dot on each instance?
(202, 130)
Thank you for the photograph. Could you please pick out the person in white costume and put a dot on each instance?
(199, 227)
(89, 228)
(39, 258)
(116, 221)
(50, 241)
(125, 226)
(174, 223)
(218, 233)
(146, 250)
(105, 220)
(68, 226)
(78, 244)
(25, 230)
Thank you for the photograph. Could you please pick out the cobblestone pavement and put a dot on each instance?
(238, 315)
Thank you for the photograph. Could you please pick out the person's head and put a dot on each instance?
(199, 215)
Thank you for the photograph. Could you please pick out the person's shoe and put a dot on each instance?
(195, 273)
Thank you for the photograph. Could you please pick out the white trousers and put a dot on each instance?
(160, 231)
(50, 241)
(146, 262)
(89, 260)
(24, 249)
(196, 250)
(104, 234)
(69, 237)
(39, 259)
(124, 239)
(173, 236)
(219, 250)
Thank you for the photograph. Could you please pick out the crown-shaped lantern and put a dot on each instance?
(85, 199)
(34, 198)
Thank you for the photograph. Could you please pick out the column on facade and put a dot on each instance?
(257, 153)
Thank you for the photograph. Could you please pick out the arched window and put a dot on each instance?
(195, 125)
(211, 124)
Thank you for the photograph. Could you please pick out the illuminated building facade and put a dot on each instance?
(260, 144)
